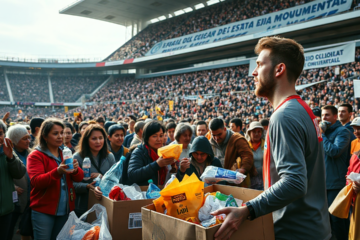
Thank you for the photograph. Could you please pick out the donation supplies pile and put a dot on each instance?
(186, 200)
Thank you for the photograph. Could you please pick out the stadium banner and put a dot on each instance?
(356, 88)
(267, 22)
(323, 58)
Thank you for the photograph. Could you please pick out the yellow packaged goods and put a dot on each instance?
(182, 200)
(170, 151)
(193, 220)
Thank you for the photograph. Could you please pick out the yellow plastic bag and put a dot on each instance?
(340, 207)
(183, 200)
(170, 151)
(354, 232)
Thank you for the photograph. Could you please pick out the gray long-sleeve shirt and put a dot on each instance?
(297, 196)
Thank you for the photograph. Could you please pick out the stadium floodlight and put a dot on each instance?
(154, 20)
(179, 12)
(170, 16)
(211, 2)
(188, 9)
(162, 18)
(198, 6)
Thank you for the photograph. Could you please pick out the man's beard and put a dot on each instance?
(265, 87)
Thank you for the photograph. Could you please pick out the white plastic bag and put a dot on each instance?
(75, 228)
(213, 175)
(133, 192)
(211, 205)
(355, 177)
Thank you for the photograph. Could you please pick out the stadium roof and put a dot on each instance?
(124, 12)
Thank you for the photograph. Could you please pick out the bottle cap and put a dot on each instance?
(150, 181)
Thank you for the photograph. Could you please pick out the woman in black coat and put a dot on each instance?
(144, 163)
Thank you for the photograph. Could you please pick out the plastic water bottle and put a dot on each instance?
(172, 178)
(153, 191)
(86, 168)
(67, 155)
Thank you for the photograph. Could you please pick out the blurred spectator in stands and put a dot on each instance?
(35, 125)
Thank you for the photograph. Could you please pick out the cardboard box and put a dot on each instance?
(159, 226)
(124, 216)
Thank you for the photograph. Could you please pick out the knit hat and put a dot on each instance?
(16, 133)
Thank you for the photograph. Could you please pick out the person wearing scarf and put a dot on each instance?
(256, 142)
(201, 155)
(144, 163)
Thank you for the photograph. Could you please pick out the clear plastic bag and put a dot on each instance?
(211, 204)
(75, 228)
(134, 192)
(111, 177)
(213, 175)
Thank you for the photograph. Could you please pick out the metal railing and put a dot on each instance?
(49, 59)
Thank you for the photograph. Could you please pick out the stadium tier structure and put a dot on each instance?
(190, 59)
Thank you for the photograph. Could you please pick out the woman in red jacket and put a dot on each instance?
(52, 195)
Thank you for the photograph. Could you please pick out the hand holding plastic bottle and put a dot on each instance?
(63, 169)
(98, 193)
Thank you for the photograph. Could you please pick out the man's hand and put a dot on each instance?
(234, 218)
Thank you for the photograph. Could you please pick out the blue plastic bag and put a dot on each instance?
(112, 177)
(153, 191)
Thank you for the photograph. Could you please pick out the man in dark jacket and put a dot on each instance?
(201, 155)
(344, 114)
(336, 140)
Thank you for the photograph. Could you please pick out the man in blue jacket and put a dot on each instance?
(336, 140)
(345, 111)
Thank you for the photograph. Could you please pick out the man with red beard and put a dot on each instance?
(294, 166)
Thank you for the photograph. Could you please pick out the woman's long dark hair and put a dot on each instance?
(45, 129)
(84, 148)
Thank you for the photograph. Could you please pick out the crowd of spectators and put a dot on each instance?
(29, 88)
(71, 88)
(225, 92)
(4, 96)
(200, 20)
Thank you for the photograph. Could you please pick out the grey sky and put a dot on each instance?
(34, 28)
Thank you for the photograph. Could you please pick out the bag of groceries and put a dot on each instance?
(182, 199)
(77, 229)
(170, 151)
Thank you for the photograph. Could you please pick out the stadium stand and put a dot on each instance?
(202, 19)
(29, 88)
(4, 95)
(79, 85)
(231, 91)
